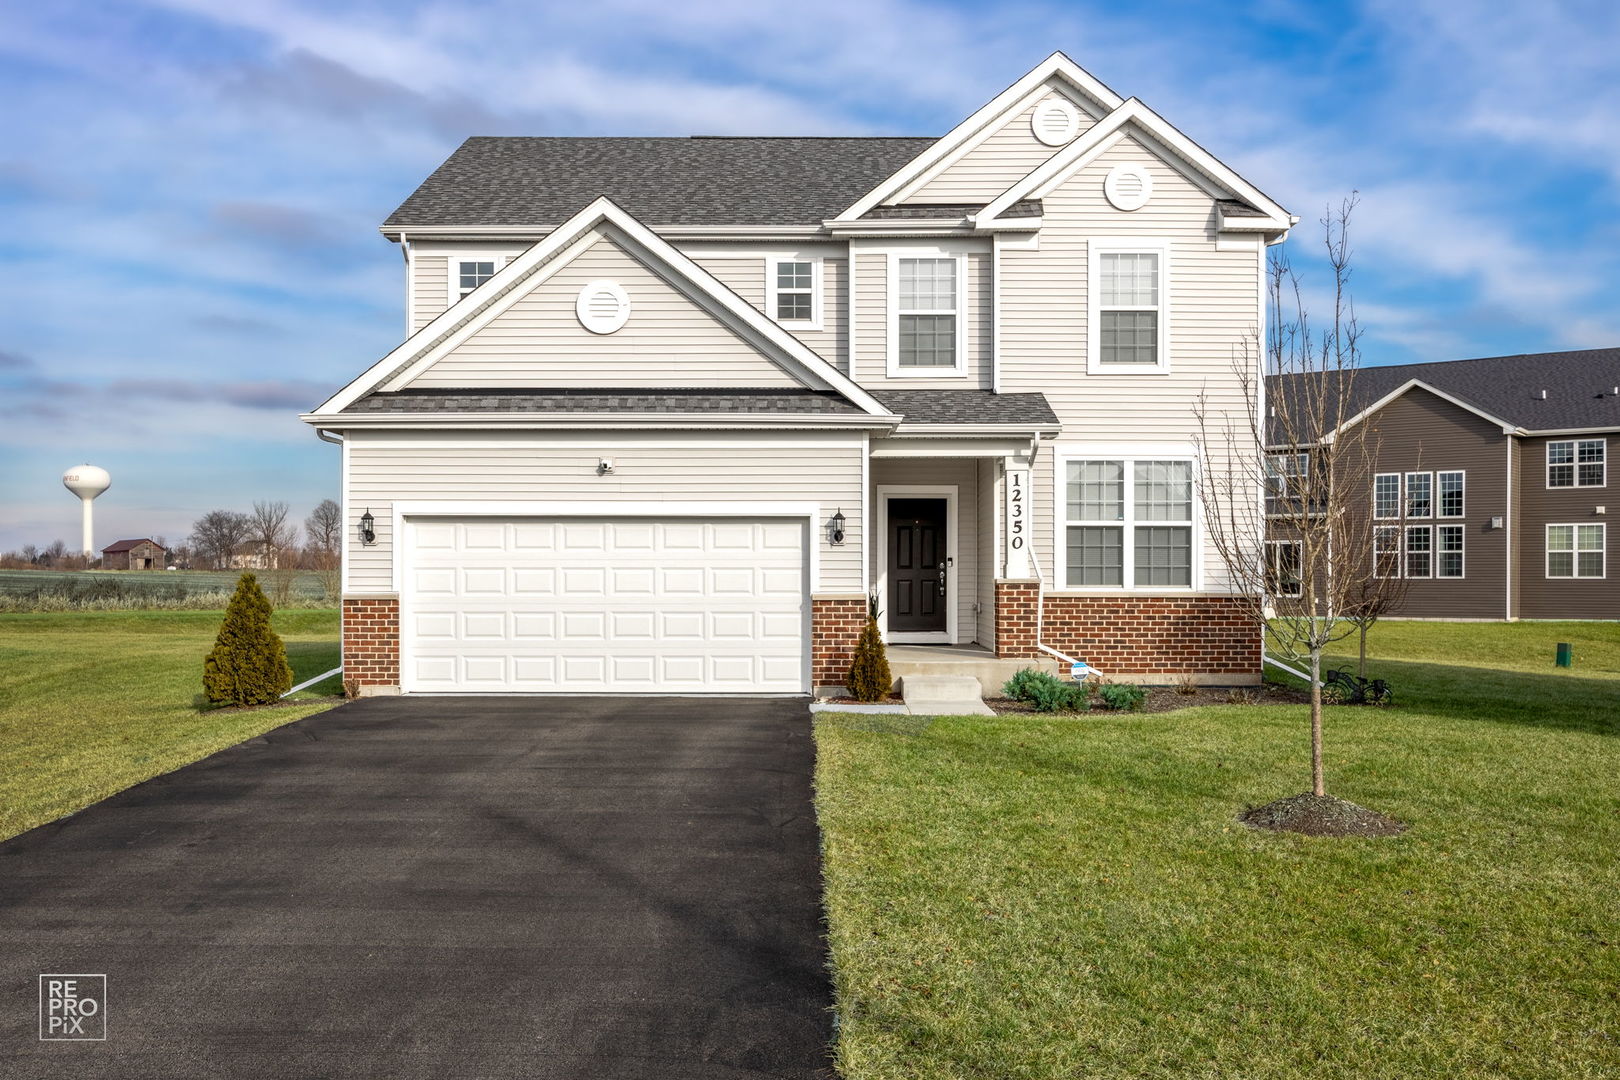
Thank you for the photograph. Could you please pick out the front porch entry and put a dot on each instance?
(918, 552)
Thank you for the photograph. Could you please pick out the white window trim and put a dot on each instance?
(1439, 515)
(1406, 496)
(895, 371)
(1399, 551)
(1406, 552)
(1462, 531)
(1300, 585)
(1129, 454)
(1575, 552)
(1400, 496)
(452, 268)
(1159, 246)
(816, 291)
(1575, 463)
(1303, 474)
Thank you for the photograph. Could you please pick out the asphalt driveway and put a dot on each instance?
(447, 888)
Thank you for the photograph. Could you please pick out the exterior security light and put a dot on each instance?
(368, 528)
(835, 528)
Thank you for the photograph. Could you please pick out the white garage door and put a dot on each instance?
(605, 606)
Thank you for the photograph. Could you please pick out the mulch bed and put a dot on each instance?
(1169, 698)
(891, 699)
(1320, 815)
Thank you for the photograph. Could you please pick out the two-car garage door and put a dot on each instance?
(604, 605)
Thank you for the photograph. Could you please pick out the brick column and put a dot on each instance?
(835, 627)
(1016, 604)
(371, 643)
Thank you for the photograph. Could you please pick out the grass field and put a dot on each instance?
(92, 702)
(1020, 898)
(21, 590)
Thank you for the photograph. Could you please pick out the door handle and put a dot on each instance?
(942, 579)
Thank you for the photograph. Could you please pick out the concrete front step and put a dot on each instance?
(944, 695)
(990, 671)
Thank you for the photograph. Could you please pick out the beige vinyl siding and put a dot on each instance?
(669, 340)
(1215, 312)
(998, 162)
(430, 288)
(685, 471)
(963, 473)
(870, 329)
(745, 276)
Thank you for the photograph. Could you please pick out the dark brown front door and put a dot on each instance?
(917, 577)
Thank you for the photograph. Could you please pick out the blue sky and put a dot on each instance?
(191, 189)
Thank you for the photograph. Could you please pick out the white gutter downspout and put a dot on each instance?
(327, 436)
(1040, 581)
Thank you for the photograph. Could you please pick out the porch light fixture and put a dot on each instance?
(835, 528)
(368, 528)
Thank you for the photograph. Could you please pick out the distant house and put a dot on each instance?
(1491, 483)
(144, 554)
(252, 556)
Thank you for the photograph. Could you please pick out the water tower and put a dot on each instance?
(87, 481)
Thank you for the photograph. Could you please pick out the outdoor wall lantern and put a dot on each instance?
(368, 528)
(835, 528)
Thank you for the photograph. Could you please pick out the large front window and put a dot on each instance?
(1128, 523)
(1575, 551)
(927, 312)
(1577, 463)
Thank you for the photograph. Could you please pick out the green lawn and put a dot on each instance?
(93, 702)
(1013, 898)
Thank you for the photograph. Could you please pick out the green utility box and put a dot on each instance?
(1566, 654)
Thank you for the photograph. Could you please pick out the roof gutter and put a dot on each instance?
(561, 420)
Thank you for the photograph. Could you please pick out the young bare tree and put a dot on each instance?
(1292, 464)
(269, 531)
(323, 529)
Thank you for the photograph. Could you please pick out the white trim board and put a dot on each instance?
(880, 543)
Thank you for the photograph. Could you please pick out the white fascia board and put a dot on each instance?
(1061, 165)
(996, 110)
(531, 233)
(1568, 431)
(939, 431)
(555, 420)
(500, 292)
(1253, 224)
(966, 447)
(1507, 428)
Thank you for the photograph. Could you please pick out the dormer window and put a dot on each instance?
(793, 292)
(471, 273)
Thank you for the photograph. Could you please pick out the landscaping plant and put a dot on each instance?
(1046, 692)
(248, 665)
(869, 677)
(1122, 697)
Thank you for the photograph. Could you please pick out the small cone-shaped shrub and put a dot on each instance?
(869, 678)
(249, 663)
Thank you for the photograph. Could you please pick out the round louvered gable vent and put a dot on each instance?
(1128, 187)
(1055, 122)
(602, 307)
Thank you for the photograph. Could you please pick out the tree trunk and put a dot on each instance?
(1318, 785)
(1361, 669)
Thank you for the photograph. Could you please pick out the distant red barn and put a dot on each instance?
(144, 554)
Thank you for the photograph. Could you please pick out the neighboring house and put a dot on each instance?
(252, 556)
(144, 554)
(1490, 489)
(669, 408)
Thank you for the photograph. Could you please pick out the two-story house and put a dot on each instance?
(1488, 482)
(669, 410)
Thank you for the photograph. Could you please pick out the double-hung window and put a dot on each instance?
(1577, 463)
(793, 290)
(469, 274)
(1575, 551)
(927, 327)
(1128, 523)
(1419, 551)
(1387, 551)
(1129, 310)
(1387, 495)
(1451, 485)
(1286, 475)
(1419, 494)
(1282, 568)
(1449, 538)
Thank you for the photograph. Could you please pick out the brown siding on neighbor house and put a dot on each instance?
(1563, 598)
(1422, 432)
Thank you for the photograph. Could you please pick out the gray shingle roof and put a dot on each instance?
(605, 401)
(1022, 208)
(1580, 387)
(967, 407)
(1236, 208)
(541, 181)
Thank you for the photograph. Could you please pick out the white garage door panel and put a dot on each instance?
(617, 606)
